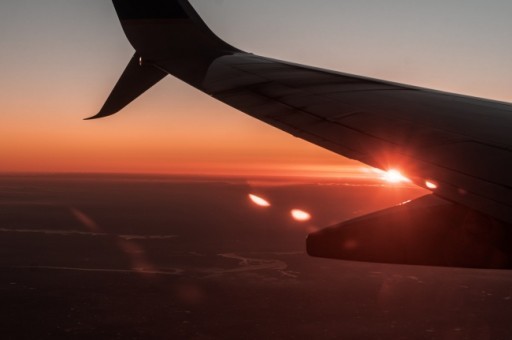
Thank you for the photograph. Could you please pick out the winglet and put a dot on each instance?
(170, 36)
(136, 79)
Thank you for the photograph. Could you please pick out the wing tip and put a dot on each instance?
(96, 116)
(101, 114)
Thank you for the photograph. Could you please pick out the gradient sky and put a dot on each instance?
(61, 58)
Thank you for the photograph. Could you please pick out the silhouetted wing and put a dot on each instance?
(462, 145)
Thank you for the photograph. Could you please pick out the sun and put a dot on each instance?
(394, 176)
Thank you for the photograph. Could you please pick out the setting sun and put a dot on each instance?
(394, 176)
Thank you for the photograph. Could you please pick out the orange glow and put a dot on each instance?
(430, 185)
(394, 176)
(101, 146)
(259, 201)
(300, 215)
(173, 128)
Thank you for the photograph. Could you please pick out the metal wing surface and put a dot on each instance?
(461, 144)
(457, 146)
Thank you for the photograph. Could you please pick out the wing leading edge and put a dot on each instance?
(462, 144)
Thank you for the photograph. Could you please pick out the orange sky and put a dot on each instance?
(159, 137)
(59, 64)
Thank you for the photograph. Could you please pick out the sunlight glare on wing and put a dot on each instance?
(300, 215)
(259, 201)
(394, 176)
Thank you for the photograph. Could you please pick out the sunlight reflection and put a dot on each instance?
(394, 176)
(300, 215)
(431, 185)
(259, 201)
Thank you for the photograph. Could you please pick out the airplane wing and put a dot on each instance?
(458, 147)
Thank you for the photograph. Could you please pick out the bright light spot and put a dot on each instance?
(430, 185)
(394, 176)
(300, 215)
(259, 201)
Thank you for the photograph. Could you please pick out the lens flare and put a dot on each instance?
(430, 185)
(394, 176)
(259, 201)
(300, 215)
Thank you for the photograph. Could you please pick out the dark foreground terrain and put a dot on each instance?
(133, 257)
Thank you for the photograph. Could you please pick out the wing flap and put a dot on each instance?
(426, 231)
